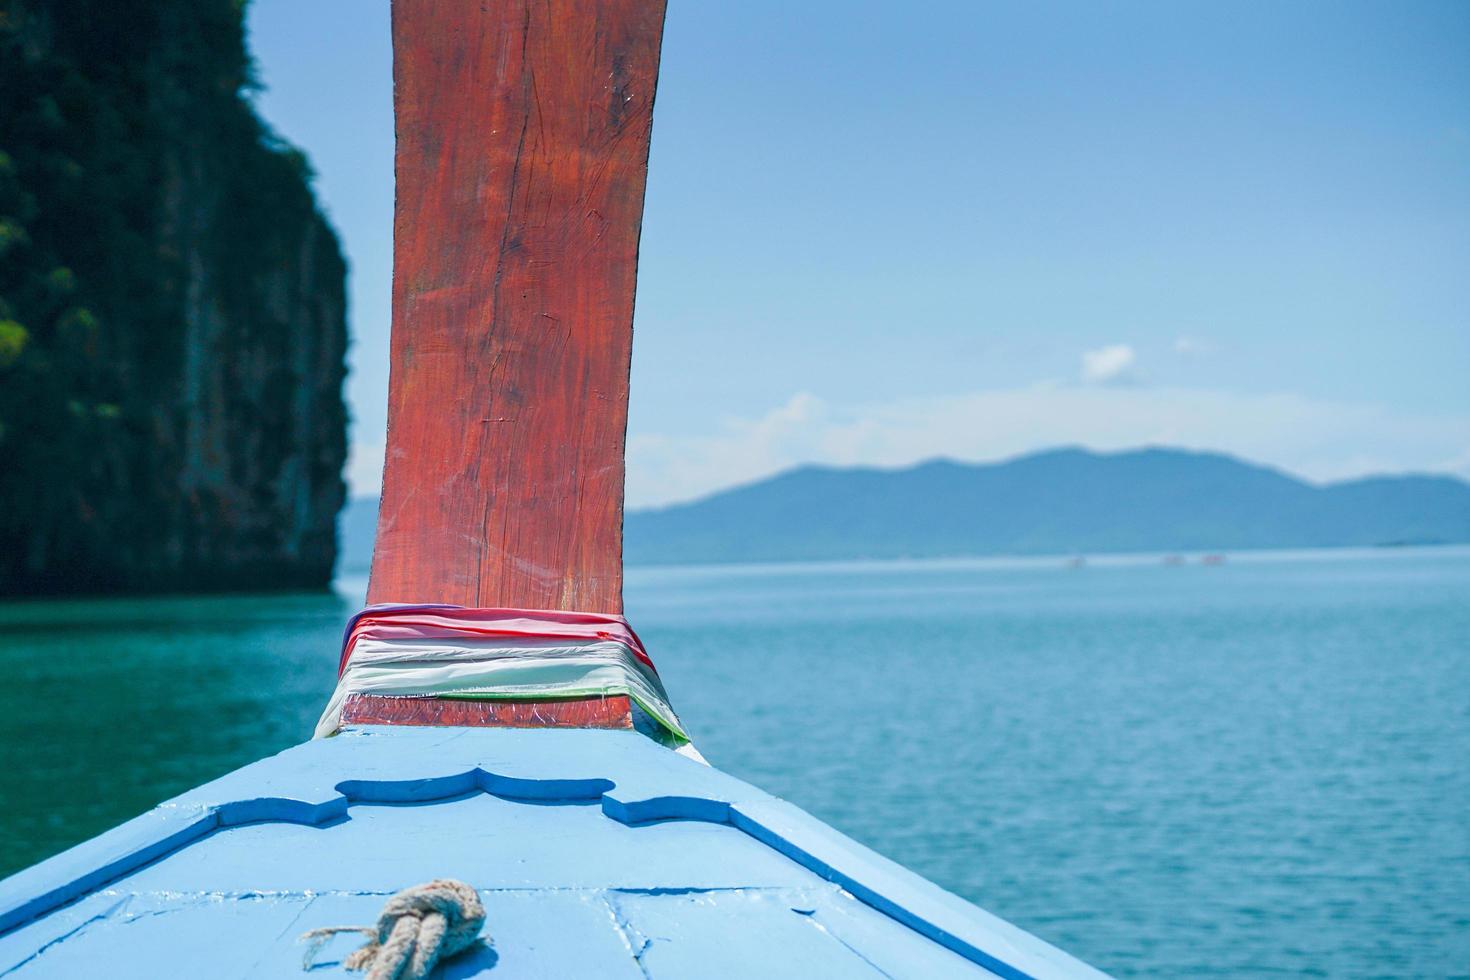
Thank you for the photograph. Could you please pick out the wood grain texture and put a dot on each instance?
(522, 155)
(372, 709)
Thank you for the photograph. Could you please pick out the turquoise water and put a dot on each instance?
(1253, 768)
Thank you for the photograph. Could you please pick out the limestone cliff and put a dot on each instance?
(172, 311)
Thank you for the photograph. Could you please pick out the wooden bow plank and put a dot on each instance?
(522, 153)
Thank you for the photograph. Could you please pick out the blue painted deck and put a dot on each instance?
(597, 854)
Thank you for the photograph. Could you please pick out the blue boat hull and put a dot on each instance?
(596, 853)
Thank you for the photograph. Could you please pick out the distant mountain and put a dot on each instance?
(357, 525)
(1059, 502)
(1063, 501)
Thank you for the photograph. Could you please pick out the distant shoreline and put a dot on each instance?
(1123, 559)
(1128, 559)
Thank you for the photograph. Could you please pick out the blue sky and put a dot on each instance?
(877, 233)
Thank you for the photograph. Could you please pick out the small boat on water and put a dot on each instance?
(500, 785)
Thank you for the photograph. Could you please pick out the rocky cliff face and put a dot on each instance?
(172, 311)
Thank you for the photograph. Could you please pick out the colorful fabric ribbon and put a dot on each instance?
(507, 654)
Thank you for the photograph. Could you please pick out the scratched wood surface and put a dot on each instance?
(522, 155)
(372, 709)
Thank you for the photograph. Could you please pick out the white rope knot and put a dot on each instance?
(418, 927)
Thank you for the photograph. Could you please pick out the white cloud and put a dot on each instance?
(1320, 440)
(1114, 364)
(1186, 346)
(662, 468)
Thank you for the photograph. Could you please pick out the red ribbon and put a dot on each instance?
(406, 622)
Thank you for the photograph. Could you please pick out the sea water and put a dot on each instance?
(1260, 766)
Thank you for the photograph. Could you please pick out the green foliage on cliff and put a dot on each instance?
(172, 319)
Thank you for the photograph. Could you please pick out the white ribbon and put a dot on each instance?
(499, 668)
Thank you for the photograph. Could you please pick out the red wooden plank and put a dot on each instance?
(522, 155)
(372, 709)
